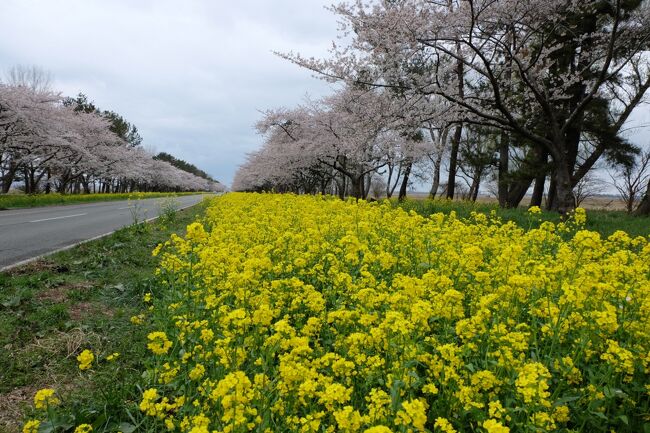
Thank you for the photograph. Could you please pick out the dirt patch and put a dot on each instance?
(55, 295)
(81, 309)
(12, 405)
(40, 265)
(59, 294)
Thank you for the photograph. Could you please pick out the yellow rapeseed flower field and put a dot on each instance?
(311, 314)
(282, 313)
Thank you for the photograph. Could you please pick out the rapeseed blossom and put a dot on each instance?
(31, 426)
(312, 314)
(45, 398)
(85, 359)
(83, 428)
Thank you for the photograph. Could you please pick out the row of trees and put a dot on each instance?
(67, 145)
(531, 94)
(183, 165)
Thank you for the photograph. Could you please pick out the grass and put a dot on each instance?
(83, 298)
(14, 201)
(604, 222)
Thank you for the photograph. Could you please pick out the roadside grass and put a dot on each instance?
(15, 201)
(604, 222)
(83, 298)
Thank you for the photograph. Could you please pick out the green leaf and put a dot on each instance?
(126, 427)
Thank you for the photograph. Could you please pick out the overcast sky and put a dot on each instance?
(191, 75)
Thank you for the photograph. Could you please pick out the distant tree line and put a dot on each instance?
(53, 143)
(183, 165)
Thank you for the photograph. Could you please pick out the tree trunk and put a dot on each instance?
(341, 185)
(504, 159)
(458, 133)
(473, 189)
(538, 191)
(8, 177)
(358, 186)
(565, 200)
(517, 191)
(453, 161)
(48, 185)
(405, 181)
(435, 184)
(552, 192)
(644, 205)
(368, 184)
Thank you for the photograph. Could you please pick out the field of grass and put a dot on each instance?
(13, 201)
(604, 222)
(301, 313)
(79, 299)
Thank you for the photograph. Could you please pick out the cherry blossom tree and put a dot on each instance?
(336, 143)
(71, 149)
(548, 74)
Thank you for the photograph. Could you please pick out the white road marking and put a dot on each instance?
(128, 207)
(59, 218)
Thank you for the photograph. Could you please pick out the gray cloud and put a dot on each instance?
(191, 75)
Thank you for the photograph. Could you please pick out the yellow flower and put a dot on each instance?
(112, 356)
(85, 359)
(378, 429)
(534, 210)
(531, 382)
(414, 412)
(197, 372)
(31, 426)
(148, 403)
(494, 426)
(83, 428)
(45, 398)
(443, 425)
(158, 343)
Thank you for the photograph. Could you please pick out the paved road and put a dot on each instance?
(27, 233)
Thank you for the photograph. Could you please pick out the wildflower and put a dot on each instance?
(83, 428)
(197, 372)
(158, 343)
(621, 359)
(149, 397)
(45, 398)
(443, 425)
(414, 412)
(31, 426)
(493, 426)
(378, 429)
(580, 216)
(531, 382)
(85, 359)
(113, 356)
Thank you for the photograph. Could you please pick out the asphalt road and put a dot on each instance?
(32, 232)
